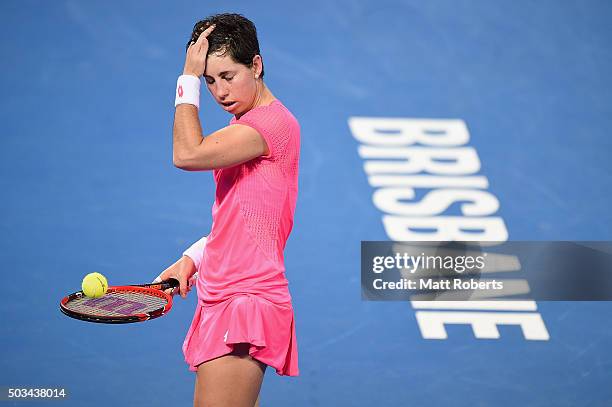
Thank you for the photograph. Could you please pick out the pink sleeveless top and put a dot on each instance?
(242, 290)
(253, 214)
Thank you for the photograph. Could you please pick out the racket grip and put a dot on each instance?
(169, 283)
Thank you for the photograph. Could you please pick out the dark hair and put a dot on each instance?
(233, 34)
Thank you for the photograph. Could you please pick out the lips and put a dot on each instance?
(227, 104)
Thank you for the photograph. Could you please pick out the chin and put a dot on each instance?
(237, 111)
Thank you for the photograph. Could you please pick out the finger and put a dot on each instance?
(204, 34)
(172, 290)
(182, 279)
(183, 287)
(192, 280)
(207, 31)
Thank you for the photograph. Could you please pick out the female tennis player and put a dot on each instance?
(244, 320)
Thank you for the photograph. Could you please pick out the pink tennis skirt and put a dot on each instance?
(267, 326)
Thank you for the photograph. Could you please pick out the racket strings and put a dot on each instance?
(117, 304)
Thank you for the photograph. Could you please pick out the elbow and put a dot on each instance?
(184, 164)
(178, 162)
(182, 161)
(189, 163)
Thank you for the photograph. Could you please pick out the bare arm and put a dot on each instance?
(187, 132)
(227, 147)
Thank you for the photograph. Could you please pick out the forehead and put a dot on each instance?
(216, 64)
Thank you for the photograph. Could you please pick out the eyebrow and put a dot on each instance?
(221, 73)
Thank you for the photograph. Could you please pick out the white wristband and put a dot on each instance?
(187, 90)
(196, 251)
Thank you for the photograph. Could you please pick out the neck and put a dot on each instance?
(263, 97)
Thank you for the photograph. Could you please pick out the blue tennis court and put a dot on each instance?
(89, 185)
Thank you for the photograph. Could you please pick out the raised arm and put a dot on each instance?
(227, 147)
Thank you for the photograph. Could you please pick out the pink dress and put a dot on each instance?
(243, 295)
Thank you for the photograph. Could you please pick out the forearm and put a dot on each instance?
(187, 133)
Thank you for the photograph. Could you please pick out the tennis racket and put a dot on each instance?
(121, 304)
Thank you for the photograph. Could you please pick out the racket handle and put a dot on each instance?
(170, 283)
(166, 284)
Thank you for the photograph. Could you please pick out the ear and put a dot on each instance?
(257, 66)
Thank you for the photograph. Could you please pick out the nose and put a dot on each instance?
(221, 91)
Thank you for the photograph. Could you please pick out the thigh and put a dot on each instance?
(230, 380)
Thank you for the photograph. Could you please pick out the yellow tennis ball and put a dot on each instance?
(94, 285)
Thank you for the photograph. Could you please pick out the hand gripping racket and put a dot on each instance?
(121, 304)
